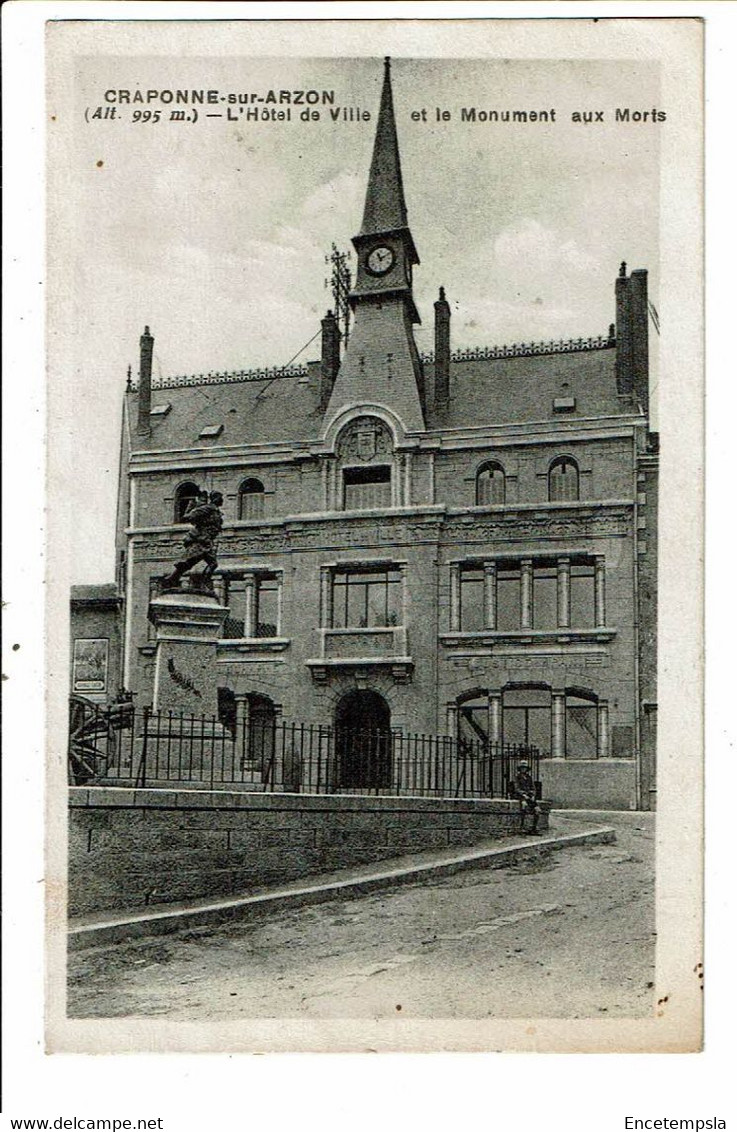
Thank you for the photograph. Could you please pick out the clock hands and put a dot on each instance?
(380, 260)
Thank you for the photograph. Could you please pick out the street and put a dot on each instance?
(570, 934)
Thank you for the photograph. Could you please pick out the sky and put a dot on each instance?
(215, 233)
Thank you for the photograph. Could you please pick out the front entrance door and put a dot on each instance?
(363, 741)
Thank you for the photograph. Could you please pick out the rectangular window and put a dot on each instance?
(583, 610)
(364, 488)
(472, 600)
(366, 599)
(508, 599)
(253, 606)
(545, 596)
(267, 607)
(234, 596)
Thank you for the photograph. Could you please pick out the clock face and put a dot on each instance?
(380, 260)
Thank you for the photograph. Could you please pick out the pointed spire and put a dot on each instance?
(385, 210)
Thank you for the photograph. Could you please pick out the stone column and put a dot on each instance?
(495, 717)
(397, 464)
(451, 720)
(490, 595)
(325, 473)
(559, 725)
(326, 597)
(526, 587)
(564, 593)
(600, 590)
(332, 491)
(602, 736)
(405, 611)
(242, 725)
(249, 606)
(455, 597)
(431, 477)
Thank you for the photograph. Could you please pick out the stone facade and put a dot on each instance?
(471, 537)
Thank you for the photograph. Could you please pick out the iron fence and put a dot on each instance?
(127, 746)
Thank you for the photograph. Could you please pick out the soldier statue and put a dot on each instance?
(200, 542)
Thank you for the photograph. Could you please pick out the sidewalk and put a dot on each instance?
(570, 829)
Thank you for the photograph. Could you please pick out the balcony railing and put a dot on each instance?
(141, 748)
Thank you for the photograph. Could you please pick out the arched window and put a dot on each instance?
(364, 450)
(490, 484)
(251, 499)
(185, 494)
(563, 480)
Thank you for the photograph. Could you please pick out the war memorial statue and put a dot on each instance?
(200, 542)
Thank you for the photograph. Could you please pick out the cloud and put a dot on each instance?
(344, 192)
(527, 246)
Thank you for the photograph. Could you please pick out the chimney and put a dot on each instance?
(330, 357)
(144, 382)
(624, 366)
(639, 315)
(442, 350)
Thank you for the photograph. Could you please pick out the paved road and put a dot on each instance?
(570, 935)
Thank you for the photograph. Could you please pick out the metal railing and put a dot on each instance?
(127, 746)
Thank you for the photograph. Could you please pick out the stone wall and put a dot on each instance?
(133, 848)
(589, 784)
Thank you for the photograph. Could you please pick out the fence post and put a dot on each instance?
(141, 776)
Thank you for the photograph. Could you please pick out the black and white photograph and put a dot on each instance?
(360, 361)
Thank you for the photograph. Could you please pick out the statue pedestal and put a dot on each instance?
(188, 628)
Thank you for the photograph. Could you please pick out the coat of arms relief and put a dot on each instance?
(366, 439)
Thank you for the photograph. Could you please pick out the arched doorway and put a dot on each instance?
(251, 721)
(363, 741)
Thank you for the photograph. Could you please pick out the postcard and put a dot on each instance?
(375, 535)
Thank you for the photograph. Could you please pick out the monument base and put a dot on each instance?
(196, 753)
(188, 625)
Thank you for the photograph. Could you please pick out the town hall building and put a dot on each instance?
(458, 544)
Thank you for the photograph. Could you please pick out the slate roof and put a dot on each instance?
(510, 390)
(484, 391)
(251, 412)
(385, 209)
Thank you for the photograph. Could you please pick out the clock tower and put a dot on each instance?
(381, 365)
